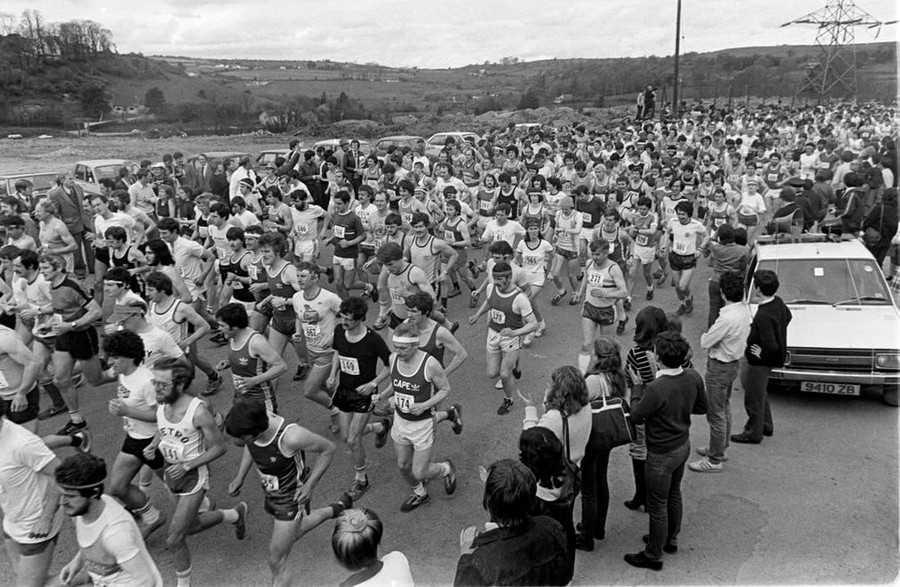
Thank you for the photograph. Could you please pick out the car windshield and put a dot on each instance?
(44, 182)
(106, 171)
(829, 281)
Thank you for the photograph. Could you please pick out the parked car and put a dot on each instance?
(381, 146)
(268, 156)
(436, 143)
(335, 144)
(845, 330)
(221, 155)
(89, 173)
(43, 182)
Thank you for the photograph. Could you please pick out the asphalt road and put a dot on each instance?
(816, 503)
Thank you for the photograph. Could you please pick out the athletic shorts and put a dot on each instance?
(283, 508)
(32, 548)
(587, 234)
(102, 255)
(566, 253)
(348, 263)
(395, 321)
(195, 480)
(285, 324)
(135, 447)
(417, 433)
(645, 254)
(29, 414)
(682, 262)
(536, 278)
(80, 344)
(496, 343)
(319, 358)
(602, 316)
(351, 402)
(306, 250)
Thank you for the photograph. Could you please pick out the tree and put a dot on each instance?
(528, 100)
(155, 100)
(94, 101)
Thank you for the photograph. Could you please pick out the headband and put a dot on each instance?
(406, 339)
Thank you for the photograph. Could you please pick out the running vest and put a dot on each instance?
(244, 366)
(431, 346)
(279, 288)
(510, 199)
(257, 272)
(451, 234)
(484, 199)
(180, 441)
(165, 320)
(644, 223)
(718, 216)
(280, 474)
(598, 278)
(240, 291)
(411, 389)
(135, 282)
(400, 286)
(424, 257)
(501, 311)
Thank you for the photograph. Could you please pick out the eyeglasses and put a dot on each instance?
(162, 385)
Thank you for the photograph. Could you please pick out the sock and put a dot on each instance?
(230, 516)
(76, 416)
(360, 474)
(584, 360)
(420, 490)
(184, 578)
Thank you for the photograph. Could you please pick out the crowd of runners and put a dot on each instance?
(352, 260)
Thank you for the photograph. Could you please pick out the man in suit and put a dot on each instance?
(197, 174)
(69, 198)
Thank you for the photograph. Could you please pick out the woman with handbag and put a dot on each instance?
(605, 381)
(565, 409)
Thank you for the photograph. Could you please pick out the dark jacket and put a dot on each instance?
(769, 331)
(71, 208)
(666, 408)
(882, 218)
(532, 555)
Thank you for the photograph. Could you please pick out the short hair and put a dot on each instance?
(182, 375)
(222, 210)
(600, 246)
(421, 301)
(740, 236)
(356, 538)
(123, 198)
(234, 315)
(235, 233)
(275, 241)
(686, 207)
(160, 282)
(48, 205)
(116, 233)
(168, 224)
(407, 329)
(671, 349)
(82, 472)
(457, 207)
(246, 418)
(9, 252)
(406, 185)
(500, 247)
(503, 207)
(389, 252)
(645, 201)
(100, 197)
(853, 180)
(725, 234)
(393, 219)
(119, 274)
(307, 266)
(542, 452)
(731, 284)
(420, 218)
(649, 322)
(355, 307)
(504, 177)
(767, 281)
(30, 259)
(342, 196)
(125, 344)
(501, 267)
(23, 184)
(568, 393)
(161, 252)
(509, 493)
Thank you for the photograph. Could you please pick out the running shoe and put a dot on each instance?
(649, 294)
(71, 428)
(84, 438)
(302, 372)
(681, 311)
(380, 322)
(240, 527)
(450, 479)
(344, 502)
(558, 297)
(372, 292)
(454, 414)
(213, 386)
(688, 305)
(381, 437)
(455, 292)
(620, 329)
(473, 299)
(626, 304)
(329, 273)
(505, 407)
(705, 465)
(413, 501)
(499, 384)
(358, 489)
(453, 326)
(77, 380)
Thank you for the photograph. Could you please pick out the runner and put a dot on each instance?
(235, 270)
(426, 251)
(254, 364)
(455, 233)
(511, 318)
(620, 245)
(535, 256)
(188, 440)
(135, 402)
(111, 550)
(308, 221)
(567, 224)
(127, 256)
(644, 229)
(279, 450)
(418, 383)
(259, 282)
(158, 344)
(347, 231)
(603, 284)
(356, 353)
(688, 238)
(402, 279)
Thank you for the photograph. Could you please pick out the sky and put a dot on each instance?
(447, 33)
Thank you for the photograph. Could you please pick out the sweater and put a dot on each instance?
(769, 331)
(666, 408)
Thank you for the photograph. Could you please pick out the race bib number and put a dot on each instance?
(449, 236)
(173, 453)
(397, 297)
(403, 402)
(338, 231)
(484, 205)
(773, 177)
(498, 317)
(203, 231)
(531, 260)
(642, 240)
(595, 278)
(311, 331)
(824, 165)
(680, 248)
(406, 217)
(269, 482)
(253, 272)
(586, 217)
(303, 229)
(349, 365)
(222, 254)
(718, 222)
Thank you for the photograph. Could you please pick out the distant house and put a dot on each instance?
(563, 98)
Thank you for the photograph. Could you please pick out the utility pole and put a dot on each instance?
(833, 71)
(677, 50)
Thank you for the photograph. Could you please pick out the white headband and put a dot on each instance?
(406, 339)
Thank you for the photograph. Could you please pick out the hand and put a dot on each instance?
(577, 296)
(304, 494)
(67, 574)
(473, 319)
(506, 332)
(223, 365)
(240, 385)
(257, 287)
(116, 407)
(150, 451)
(525, 397)
(596, 292)
(331, 381)
(110, 328)
(343, 244)
(61, 328)
(296, 338)
(176, 471)
(42, 528)
(417, 409)
(234, 488)
(466, 538)
(367, 388)
(19, 403)
(28, 314)
(756, 351)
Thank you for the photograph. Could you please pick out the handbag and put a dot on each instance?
(612, 421)
(872, 236)
(573, 471)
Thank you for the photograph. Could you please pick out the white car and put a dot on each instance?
(89, 173)
(845, 330)
(436, 143)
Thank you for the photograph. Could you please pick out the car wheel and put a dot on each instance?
(890, 395)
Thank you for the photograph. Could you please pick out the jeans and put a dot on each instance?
(755, 381)
(83, 262)
(715, 301)
(664, 472)
(719, 378)
(594, 488)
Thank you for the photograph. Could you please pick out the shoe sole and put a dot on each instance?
(704, 469)
(450, 480)
(703, 452)
(354, 498)
(411, 508)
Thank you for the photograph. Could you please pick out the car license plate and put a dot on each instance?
(831, 388)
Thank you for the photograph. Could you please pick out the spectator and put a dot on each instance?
(515, 548)
(883, 219)
(566, 405)
(355, 541)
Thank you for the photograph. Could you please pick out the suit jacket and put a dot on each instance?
(71, 208)
(196, 180)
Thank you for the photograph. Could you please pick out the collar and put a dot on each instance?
(766, 301)
(670, 372)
